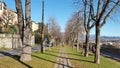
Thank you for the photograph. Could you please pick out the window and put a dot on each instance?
(0, 6)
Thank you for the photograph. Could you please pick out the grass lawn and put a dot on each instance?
(4, 49)
(39, 60)
(79, 61)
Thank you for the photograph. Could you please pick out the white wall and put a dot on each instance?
(11, 41)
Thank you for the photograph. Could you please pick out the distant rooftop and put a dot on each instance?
(3, 2)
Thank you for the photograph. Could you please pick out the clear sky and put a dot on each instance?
(62, 11)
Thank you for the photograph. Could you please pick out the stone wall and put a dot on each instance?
(11, 41)
(111, 49)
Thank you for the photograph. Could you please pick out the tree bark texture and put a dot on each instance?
(97, 52)
(42, 29)
(87, 43)
(20, 18)
(78, 41)
(26, 55)
(24, 29)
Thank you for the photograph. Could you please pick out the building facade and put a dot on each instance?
(34, 26)
(8, 16)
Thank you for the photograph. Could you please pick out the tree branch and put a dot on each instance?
(91, 14)
(115, 2)
(92, 10)
(104, 21)
(92, 25)
(98, 9)
(104, 9)
(85, 6)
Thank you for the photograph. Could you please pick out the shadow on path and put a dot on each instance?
(16, 57)
(51, 61)
(69, 58)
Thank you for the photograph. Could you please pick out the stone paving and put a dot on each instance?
(62, 60)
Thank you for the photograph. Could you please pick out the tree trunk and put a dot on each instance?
(6, 28)
(78, 41)
(72, 42)
(42, 40)
(87, 43)
(20, 18)
(26, 54)
(42, 29)
(25, 32)
(97, 51)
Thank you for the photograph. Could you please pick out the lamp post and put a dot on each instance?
(42, 29)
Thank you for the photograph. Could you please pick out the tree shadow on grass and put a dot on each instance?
(52, 61)
(67, 53)
(91, 54)
(16, 57)
(69, 58)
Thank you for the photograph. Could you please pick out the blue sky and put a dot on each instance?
(62, 11)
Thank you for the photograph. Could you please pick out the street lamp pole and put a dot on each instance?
(42, 29)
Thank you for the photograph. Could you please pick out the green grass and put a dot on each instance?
(39, 60)
(79, 61)
(4, 49)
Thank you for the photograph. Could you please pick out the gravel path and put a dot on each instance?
(62, 60)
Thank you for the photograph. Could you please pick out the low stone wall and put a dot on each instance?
(111, 50)
(12, 41)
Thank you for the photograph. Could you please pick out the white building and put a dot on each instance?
(1, 7)
(6, 12)
(7, 15)
(34, 26)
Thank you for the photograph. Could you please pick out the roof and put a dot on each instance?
(3, 2)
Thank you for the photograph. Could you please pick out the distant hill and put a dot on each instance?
(92, 37)
(110, 38)
(106, 37)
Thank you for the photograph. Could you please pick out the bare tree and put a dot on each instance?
(74, 29)
(104, 10)
(54, 30)
(20, 18)
(7, 18)
(97, 12)
(69, 35)
(42, 28)
(25, 29)
(87, 24)
(78, 27)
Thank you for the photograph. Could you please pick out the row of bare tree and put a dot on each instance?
(94, 13)
(74, 29)
(97, 15)
(54, 30)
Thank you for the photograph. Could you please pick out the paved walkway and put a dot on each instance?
(17, 51)
(62, 60)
